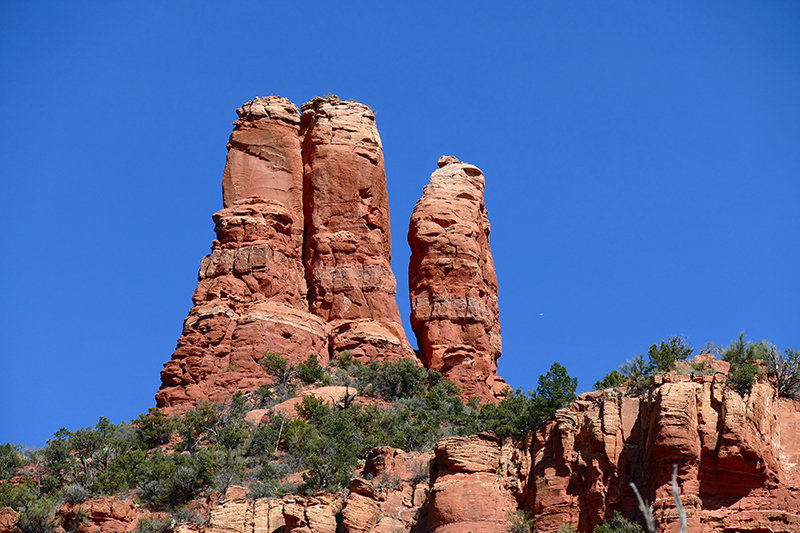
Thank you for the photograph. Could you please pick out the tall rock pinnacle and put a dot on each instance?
(452, 282)
(348, 250)
(302, 260)
(251, 295)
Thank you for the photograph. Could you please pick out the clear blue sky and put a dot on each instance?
(642, 163)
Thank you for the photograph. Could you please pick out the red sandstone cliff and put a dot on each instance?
(251, 295)
(739, 458)
(348, 246)
(305, 206)
(452, 282)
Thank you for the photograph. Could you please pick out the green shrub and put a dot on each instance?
(518, 413)
(169, 480)
(154, 429)
(618, 524)
(279, 368)
(147, 524)
(401, 379)
(638, 373)
(663, 356)
(38, 516)
(612, 380)
(520, 521)
(10, 460)
(310, 371)
(314, 409)
(742, 355)
(74, 493)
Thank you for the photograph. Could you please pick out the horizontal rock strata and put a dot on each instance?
(299, 205)
(452, 281)
(348, 246)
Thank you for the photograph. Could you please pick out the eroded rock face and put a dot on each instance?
(103, 515)
(452, 282)
(8, 520)
(348, 245)
(300, 514)
(252, 294)
(475, 482)
(392, 499)
(737, 457)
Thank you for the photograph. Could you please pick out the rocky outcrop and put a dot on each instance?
(737, 457)
(251, 295)
(300, 514)
(8, 520)
(304, 200)
(104, 515)
(348, 246)
(475, 483)
(389, 497)
(452, 282)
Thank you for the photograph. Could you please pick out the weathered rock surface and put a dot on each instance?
(299, 205)
(300, 514)
(737, 457)
(103, 515)
(251, 295)
(348, 245)
(8, 520)
(391, 500)
(475, 482)
(452, 281)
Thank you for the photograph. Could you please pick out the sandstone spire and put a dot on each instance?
(452, 282)
(251, 295)
(348, 247)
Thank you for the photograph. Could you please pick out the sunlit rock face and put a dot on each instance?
(302, 260)
(251, 297)
(738, 457)
(348, 246)
(452, 281)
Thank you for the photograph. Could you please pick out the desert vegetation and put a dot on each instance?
(166, 462)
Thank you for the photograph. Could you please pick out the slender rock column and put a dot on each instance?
(251, 295)
(348, 242)
(452, 282)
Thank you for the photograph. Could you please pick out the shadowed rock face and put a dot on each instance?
(452, 282)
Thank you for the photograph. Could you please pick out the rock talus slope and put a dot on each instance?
(452, 281)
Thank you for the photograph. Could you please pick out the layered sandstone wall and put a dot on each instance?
(452, 281)
(738, 458)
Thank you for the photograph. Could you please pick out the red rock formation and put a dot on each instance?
(452, 282)
(348, 242)
(103, 515)
(299, 514)
(739, 458)
(316, 211)
(251, 295)
(475, 484)
(391, 500)
(8, 520)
